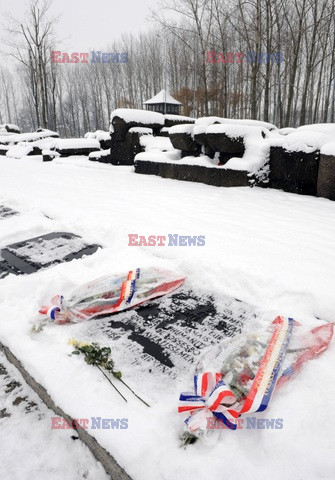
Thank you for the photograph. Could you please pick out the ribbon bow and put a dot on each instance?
(212, 397)
(211, 393)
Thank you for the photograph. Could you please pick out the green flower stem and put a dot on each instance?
(124, 383)
(100, 357)
(112, 384)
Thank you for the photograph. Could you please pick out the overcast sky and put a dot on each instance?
(91, 24)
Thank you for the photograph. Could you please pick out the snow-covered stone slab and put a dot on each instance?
(231, 138)
(127, 126)
(27, 137)
(171, 120)
(5, 268)
(207, 121)
(168, 334)
(216, 176)
(181, 137)
(326, 175)
(306, 138)
(103, 156)
(49, 155)
(104, 138)
(123, 152)
(9, 128)
(33, 254)
(294, 171)
(77, 146)
(22, 150)
(133, 118)
(123, 119)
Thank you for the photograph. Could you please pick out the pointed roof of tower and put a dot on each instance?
(162, 97)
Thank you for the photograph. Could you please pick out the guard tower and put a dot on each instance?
(163, 103)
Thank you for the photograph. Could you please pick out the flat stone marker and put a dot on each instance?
(37, 253)
(169, 334)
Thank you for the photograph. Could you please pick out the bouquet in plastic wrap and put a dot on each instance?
(111, 294)
(241, 374)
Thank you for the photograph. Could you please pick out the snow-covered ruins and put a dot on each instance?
(167, 222)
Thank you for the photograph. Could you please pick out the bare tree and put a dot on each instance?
(31, 41)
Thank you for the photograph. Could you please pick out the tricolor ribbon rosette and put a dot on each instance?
(213, 397)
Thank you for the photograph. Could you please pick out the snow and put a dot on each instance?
(22, 149)
(4, 133)
(326, 128)
(99, 154)
(302, 140)
(51, 153)
(144, 117)
(27, 137)
(286, 131)
(183, 128)
(306, 138)
(256, 155)
(254, 159)
(328, 149)
(157, 155)
(9, 126)
(19, 151)
(162, 97)
(252, 123)
(198, 129)
(160, 144)
(207, 121)
(237, 130)
(271, 249)
(77, 143)
(180, 118)
(173, 156)
(141, 130)
(98, 135)
(31, 448)
(55, 249)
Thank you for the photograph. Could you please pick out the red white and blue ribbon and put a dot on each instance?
(321, 337)
(56, 306)
(127, 292)
(131, 284)
(213, 397)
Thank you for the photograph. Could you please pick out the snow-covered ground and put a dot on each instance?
(271, 249)
(29, 448)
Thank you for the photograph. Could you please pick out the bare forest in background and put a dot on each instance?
(75, 98)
